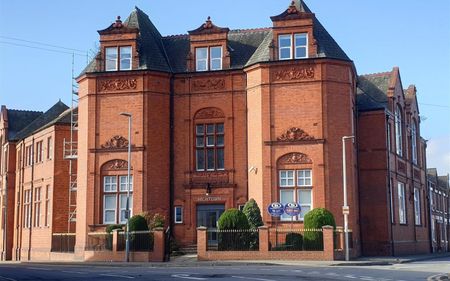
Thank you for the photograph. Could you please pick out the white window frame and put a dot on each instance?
(295, 198)
(124, 208)
(49, 148)
(105, 210)
(287, 178)
(304, 177)
(130, 59)
(398, 131)
(197, 59)
(215, 59)
(401, 203)
(302, 205)
(283, 36)
(116, 60)
(414, 142)
(109, 184)
(417, 210)
(176, 220)
(124, 184)
(301, 46)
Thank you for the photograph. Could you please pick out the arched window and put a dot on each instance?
(414, 141)
(114, 187)
(209, 140)
(398, 131)
(295, 182)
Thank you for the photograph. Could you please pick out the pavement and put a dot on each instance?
(191, 261)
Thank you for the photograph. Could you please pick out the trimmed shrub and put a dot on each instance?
(253, 214)
(140, 241)
(111, 227)
(138, 223)
(233, 219)
(294, 241)
(316, 219)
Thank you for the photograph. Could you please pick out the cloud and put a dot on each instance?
(438, 154)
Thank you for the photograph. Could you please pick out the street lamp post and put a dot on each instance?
(345, 208)
(127, 210)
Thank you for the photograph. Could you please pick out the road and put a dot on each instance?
(80, 272)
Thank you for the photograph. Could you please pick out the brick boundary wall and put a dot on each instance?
(264, 253)
(156, 255)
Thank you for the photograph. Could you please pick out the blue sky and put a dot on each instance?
(377, 35)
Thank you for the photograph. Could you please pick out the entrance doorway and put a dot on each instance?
(208, 215)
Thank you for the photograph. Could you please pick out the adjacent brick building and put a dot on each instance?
(220, 116)
(439, 194)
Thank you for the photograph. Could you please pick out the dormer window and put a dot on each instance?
(113, 55)
(208, 58)
(293, 46)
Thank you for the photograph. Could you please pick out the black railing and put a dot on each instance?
(63, 242)
(99, 241)
(233, 240)
(140, 241)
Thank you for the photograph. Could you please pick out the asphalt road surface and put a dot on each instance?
(80, 272)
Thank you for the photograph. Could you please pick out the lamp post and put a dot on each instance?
(127, 210)
(345, 208)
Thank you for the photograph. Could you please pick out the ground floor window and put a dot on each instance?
(302, 196)
(401, 203)
(417, 212)
(115, 199)
(178, 214)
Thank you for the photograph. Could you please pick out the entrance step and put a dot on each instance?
(189, 250)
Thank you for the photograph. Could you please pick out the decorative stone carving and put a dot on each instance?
(295, 73)
(117, 85)
(209, 113)
(295, 158)
(116, 164)
(208, 84)
(116, 142)
(213, 177)
(292, 8)
(295, 134)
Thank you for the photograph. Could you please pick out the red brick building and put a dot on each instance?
(392, 168)
(439, 194)
(34, 181)
(220, 116)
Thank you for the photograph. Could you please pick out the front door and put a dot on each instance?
(208, 215)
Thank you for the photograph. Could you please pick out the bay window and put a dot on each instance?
(296, 186)
(115, 199)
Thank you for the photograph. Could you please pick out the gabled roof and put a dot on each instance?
(42, 120)
(246, 47)
(372, 90)
(18, 120)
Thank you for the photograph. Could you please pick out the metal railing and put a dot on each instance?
(233, 240)
(140, 241)
(99, 241)
(339, 238)
(63, 242)
(288, 239)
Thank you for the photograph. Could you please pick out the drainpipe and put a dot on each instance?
(171, 166)
(391, 201)
(19, 227)
(427, 188)
(5, 214)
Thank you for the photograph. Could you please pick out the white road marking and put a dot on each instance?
(77, 272)
(117, 276)
(187, 276)
(350, 276)
(297, 270)
(314, 272)
(6, 278)
(332, 274)
(252, 278)
(367, 278)
(39, 268)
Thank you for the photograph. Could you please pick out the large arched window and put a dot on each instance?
(209, 140)
(398, 131)
(295, 182)
(414, 141)
(114, 187)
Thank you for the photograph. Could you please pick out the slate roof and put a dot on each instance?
(42, 121)
(246, 47)
(372, 91)
(443, 181)
(19, 119)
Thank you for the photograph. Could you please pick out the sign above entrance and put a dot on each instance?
(275, 209)
(292, 209)
(210, 199)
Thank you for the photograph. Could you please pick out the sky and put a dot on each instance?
(377, 35)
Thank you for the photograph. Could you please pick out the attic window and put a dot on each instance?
(293, 46)
(208, 58)
(113, 55)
